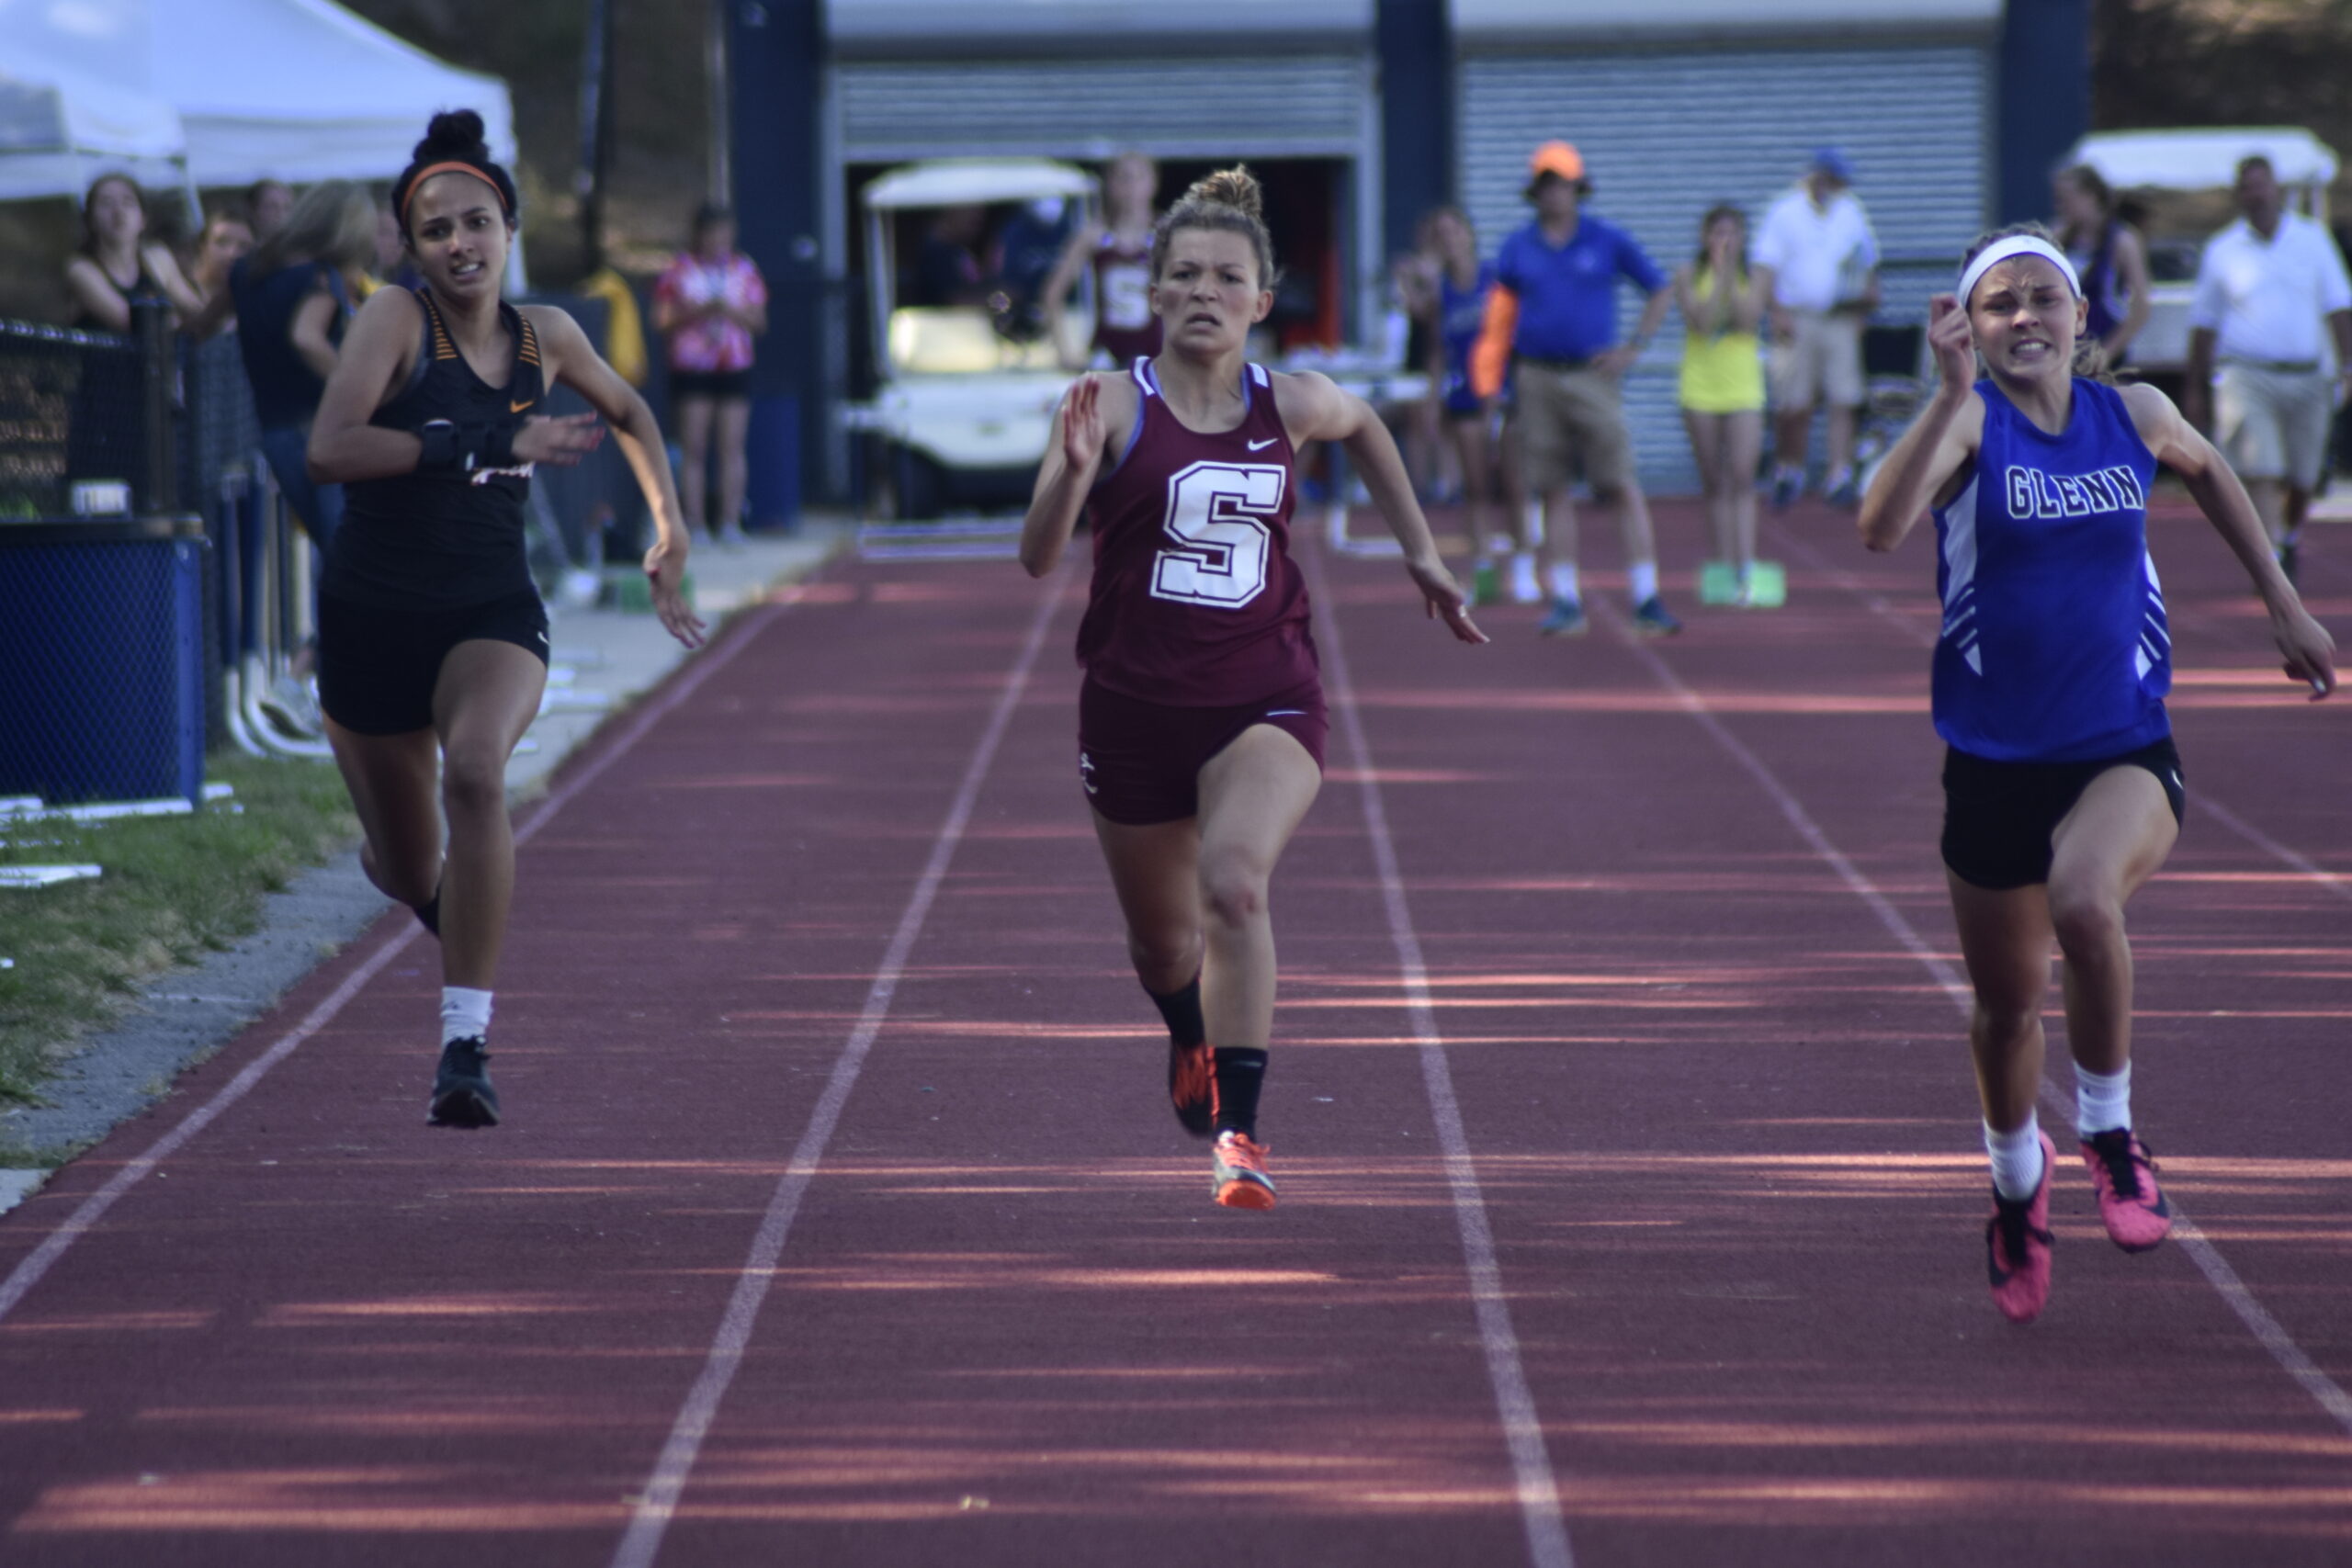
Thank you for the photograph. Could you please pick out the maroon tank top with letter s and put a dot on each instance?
(1125, 327)
(1195, 600)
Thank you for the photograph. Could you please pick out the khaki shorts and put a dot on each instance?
(1566, 414)
(2273, 423)
(1822, 362)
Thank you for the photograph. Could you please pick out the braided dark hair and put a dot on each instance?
(454, 137)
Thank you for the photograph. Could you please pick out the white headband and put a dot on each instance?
(2017, 245)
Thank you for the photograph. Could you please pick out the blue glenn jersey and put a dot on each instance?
(2054, 647)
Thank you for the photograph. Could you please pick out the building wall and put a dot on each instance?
(1668, 132)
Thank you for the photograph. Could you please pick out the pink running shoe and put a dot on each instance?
(1237, 1176)
(2017, 1246)
(2138, 1219)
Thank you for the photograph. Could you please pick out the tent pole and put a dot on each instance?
(721, 176)
(595, 133)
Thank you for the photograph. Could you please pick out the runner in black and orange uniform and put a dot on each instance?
(433, 644)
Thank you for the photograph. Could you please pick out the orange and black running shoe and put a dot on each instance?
(1237, 1174)
(1192, 1085)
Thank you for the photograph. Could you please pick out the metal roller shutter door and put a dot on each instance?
(1667, 135)
(1271, 106)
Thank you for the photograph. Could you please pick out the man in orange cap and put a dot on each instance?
(1551, 322)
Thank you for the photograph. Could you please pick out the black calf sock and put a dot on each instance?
(428, 914)
(1182, 1011)
(1240, 1073)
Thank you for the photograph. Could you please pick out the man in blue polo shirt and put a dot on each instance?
(1552, 321)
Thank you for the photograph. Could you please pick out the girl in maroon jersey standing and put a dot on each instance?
(1202, 723)
(1119, 253)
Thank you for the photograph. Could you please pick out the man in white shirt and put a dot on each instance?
(1817, 261)
(2270, 287)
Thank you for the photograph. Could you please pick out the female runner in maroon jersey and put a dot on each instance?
(1120, 252)
(1201, 724)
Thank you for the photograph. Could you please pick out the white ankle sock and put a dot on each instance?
(1564, 580)
(1523, 585)
(465, 1013)
(2102, 1100)
(1643, 577)
(2016, 1159)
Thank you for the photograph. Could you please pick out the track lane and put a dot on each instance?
(1872, 1053)
(1012, 1328)
(322, 1320)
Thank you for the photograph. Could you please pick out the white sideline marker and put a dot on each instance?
(45, 875)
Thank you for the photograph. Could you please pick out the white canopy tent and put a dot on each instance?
(61, 127)
(294, 90)
(302, 90)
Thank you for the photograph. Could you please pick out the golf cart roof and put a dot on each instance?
(2203, 160)
(954, 182)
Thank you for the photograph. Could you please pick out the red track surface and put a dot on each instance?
(1721, 1130)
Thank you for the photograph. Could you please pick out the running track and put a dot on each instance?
(1631, 1201)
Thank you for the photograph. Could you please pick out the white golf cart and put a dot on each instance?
(962, 410)
(2183, 178)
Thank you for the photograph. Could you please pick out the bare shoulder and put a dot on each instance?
(1302, 394)
(2153, 414)
(1115, 394)
(388, 309)
(552, 322)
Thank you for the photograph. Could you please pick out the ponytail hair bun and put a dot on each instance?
(1235, 187)
(1231, 201)
(454, 135)
(454, 138)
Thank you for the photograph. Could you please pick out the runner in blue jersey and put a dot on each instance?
(1482, 436)
(2062, 787)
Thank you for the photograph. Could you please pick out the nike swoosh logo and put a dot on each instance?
(1269, 441)
(518, 407)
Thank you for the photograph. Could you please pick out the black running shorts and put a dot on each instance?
(378, 668)
(1999, 816)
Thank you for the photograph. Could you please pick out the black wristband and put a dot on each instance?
(441, 445)
(497, 445)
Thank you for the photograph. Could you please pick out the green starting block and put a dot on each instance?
(1768, 584)
(627, 588)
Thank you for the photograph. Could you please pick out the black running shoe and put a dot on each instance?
(462, 1095)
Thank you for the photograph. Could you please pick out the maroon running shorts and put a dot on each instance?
(1141, 762)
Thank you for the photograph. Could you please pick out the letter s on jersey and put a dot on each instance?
(1218, 514)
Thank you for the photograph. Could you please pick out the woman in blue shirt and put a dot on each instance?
(2061, 788)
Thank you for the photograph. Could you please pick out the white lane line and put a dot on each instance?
(1912, 627)
(2265, 1328)
(658, 1503)
(1531, 1460)
(2326, 880)
(36, 1263)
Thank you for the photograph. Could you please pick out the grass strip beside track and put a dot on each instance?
(175, 888)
